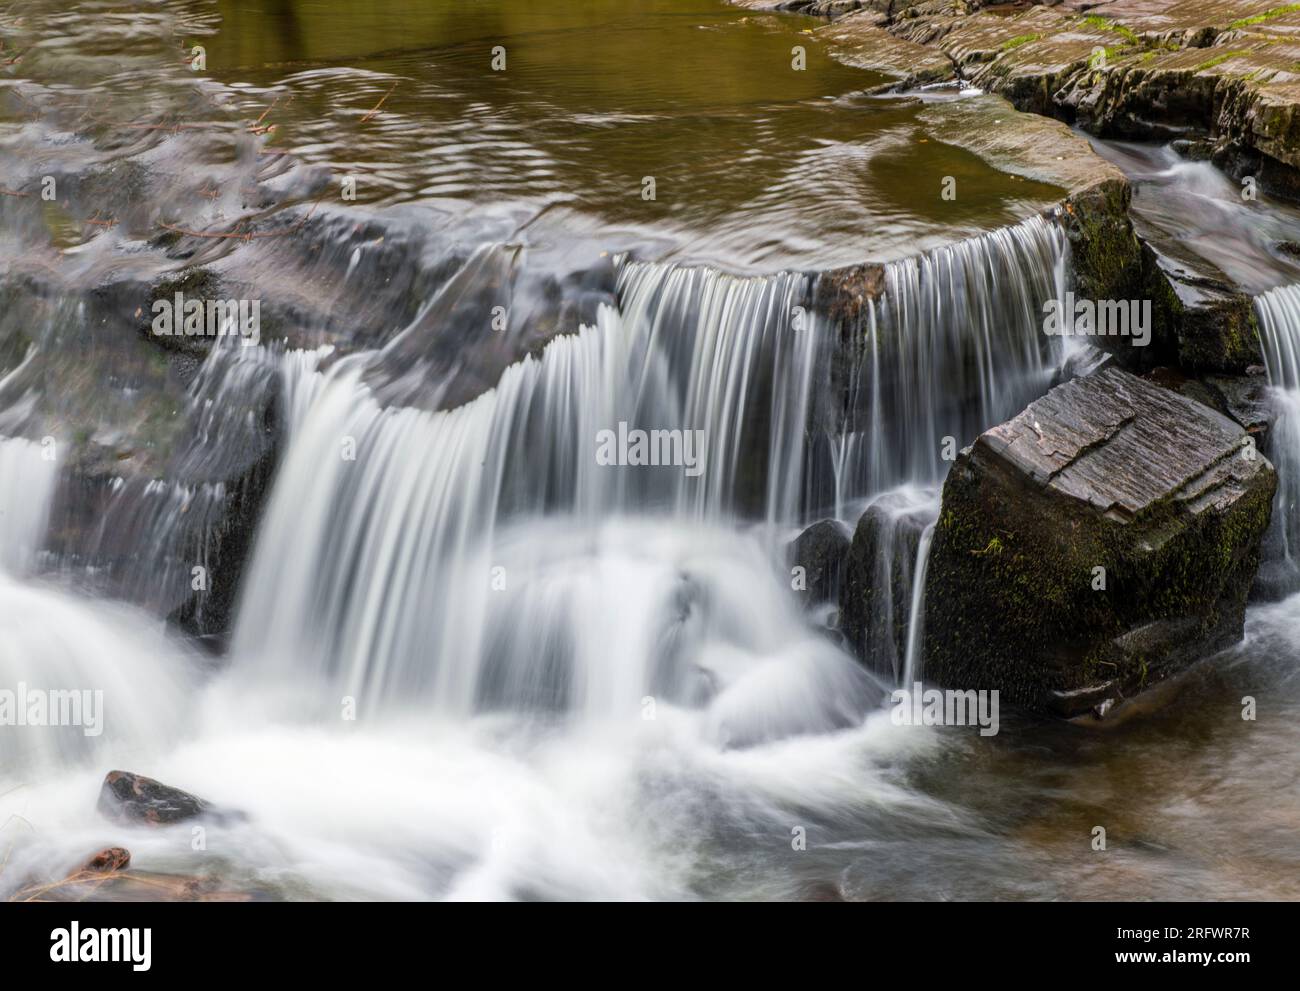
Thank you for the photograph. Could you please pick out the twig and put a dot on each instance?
(375, 109)
(266, 111)
(257, 127)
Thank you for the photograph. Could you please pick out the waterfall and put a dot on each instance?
(483, 557)
(478, 557)
(952, 347)
(28, 474)
(916, 611)
(737, 356)
(1278, 313)
(75, 675)
(82, 680)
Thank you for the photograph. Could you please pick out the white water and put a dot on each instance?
(1278, 312)
(27, 478)
(912, 660)
(57, 642)
(953, 347)
(470, 662)
(450, 582)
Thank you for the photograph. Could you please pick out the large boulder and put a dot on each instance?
(1099, 541)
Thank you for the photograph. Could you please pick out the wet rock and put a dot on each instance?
(845, 294)
(1245, 398)
(815, 8)
(860, 41)
(1111, 262)
(820, 550)
(1219, 78)
(125, 885)
(133, 798)
(1022, 144)
(876, 596)
(1193, 388)
(193, 284)
(141, 886)
(1213, 321)
(1101, 540)
(114, 858)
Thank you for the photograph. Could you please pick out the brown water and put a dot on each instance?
(756, 165)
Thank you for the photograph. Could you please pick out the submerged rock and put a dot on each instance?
(1101, 540)
(133, 798)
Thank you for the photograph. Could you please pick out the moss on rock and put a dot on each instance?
(1101, 540)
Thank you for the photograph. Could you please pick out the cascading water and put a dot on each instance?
(79, 677)
(477, 576)
(1278, 312)
(404, 552)
(28, 474)
(480, 557)
(953, 346)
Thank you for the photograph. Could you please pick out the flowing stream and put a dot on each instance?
(465, 657)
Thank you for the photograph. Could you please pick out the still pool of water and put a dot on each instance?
(756, 165)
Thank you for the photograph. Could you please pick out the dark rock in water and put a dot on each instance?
(1194, 150)
(114, 858)
(820, 550)
(1245, 399)
(1111, 262)
(191, 284)
(1209, 321)
(1102, 539)
(845, 293)
(1278, 577)
(127, 797)
(876, 596)
(1217, 331)
(1248, 400)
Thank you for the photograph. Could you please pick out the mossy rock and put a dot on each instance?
(1098, 542)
